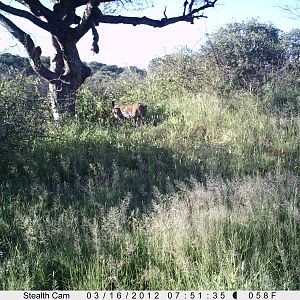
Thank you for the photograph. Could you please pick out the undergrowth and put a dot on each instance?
(205, 195)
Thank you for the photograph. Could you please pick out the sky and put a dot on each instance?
(127, 45)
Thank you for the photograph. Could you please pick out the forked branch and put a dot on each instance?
(38, 9)
(25, 14)
(34, 53)
(193, 13)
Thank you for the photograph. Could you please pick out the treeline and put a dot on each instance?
(16, 63)
(10, 62)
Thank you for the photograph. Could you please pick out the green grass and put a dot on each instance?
(204, 196)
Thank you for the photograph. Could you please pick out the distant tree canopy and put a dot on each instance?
(19, 63)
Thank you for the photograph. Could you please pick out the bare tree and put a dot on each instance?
(67, 72)
(293, 10)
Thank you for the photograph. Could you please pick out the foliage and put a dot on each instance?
(291, 43)
(100, 71)
(211, 190)
(242, 55)
(94, 99)
(176, 72)
(19, 64)
(203, 196)
(241, 234)
(119, 5)
(22, 112)
(245, 56)
(283, 90)
(94, 105)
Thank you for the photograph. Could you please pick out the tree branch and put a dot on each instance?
(95, 46)
(28, 16)
(190, 17)
(38, 9)
(90, 15)
(165, 12)
(191, 5)
(34, 53)
(184, 6)
(146, 21)
(207, 4)
(292, 9)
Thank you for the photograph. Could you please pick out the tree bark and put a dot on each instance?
(62, 99)
(70, 73)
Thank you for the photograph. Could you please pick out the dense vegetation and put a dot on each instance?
(205, 195)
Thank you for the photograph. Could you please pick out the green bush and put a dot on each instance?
(22, 112)
(94, 98)
(176, 73)
(238, 57)
(283, 102)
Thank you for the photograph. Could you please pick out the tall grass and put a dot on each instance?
(241, 234)
(204, 196)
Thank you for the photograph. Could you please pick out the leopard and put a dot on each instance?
(135, 111)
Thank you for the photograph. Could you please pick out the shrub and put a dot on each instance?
(22, 112)
(242, 56)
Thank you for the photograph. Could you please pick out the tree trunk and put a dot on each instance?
(70, 72)
(62, 99)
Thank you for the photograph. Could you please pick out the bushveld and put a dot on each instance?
(205, 195)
